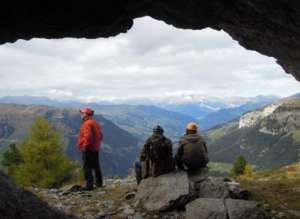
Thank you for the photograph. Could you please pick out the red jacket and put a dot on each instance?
(90, 135)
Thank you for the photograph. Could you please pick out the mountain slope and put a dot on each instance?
(191, 109)
(119, 149)
(140, 120)
(225, 115)
(268, 137)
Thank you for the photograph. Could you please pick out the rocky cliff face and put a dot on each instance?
(252, 118)
(275, 119)
(267, 26)
(268, 137)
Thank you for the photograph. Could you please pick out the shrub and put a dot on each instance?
(248, 171)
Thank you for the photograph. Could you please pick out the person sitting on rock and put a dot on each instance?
(157, 156)
(192, 151)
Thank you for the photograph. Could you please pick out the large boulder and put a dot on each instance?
(241, 209)
(164, 192)
(212, 187)
(18, 203)
(206, 208)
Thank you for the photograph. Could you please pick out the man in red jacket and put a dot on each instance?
(89, 142)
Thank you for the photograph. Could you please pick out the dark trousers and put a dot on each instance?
(91, 162)
(191, 164)
(138, 171)
(179, 162)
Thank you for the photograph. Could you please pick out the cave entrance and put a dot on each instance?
(153, 61)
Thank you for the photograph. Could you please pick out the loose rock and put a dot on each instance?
(236, 192)
(130, 195)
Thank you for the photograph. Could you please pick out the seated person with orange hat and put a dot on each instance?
(192, 152)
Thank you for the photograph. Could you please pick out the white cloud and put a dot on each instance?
(151, 60)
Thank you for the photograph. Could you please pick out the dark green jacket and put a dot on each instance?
(157, 156)
(192, 151)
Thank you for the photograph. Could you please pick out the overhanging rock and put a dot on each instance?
(270, 27)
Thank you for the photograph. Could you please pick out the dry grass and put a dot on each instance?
(279, 188)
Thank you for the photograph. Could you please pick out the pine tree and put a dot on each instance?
(11, 159)
(239, 166)
(44, 162)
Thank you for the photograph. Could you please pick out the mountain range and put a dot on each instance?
(139, 120)
(209, 111)
(268, 140)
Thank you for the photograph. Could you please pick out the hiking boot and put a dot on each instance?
(99, 186)
(84, 189)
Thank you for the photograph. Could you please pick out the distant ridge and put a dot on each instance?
(136, 119)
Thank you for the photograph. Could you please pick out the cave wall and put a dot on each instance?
(270, 27)
(17, 203)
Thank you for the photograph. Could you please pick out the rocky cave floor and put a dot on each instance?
(156, 198)
(115, 200)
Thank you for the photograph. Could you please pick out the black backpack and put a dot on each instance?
(159, 149)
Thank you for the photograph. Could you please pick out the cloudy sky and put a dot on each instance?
(152, 60)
